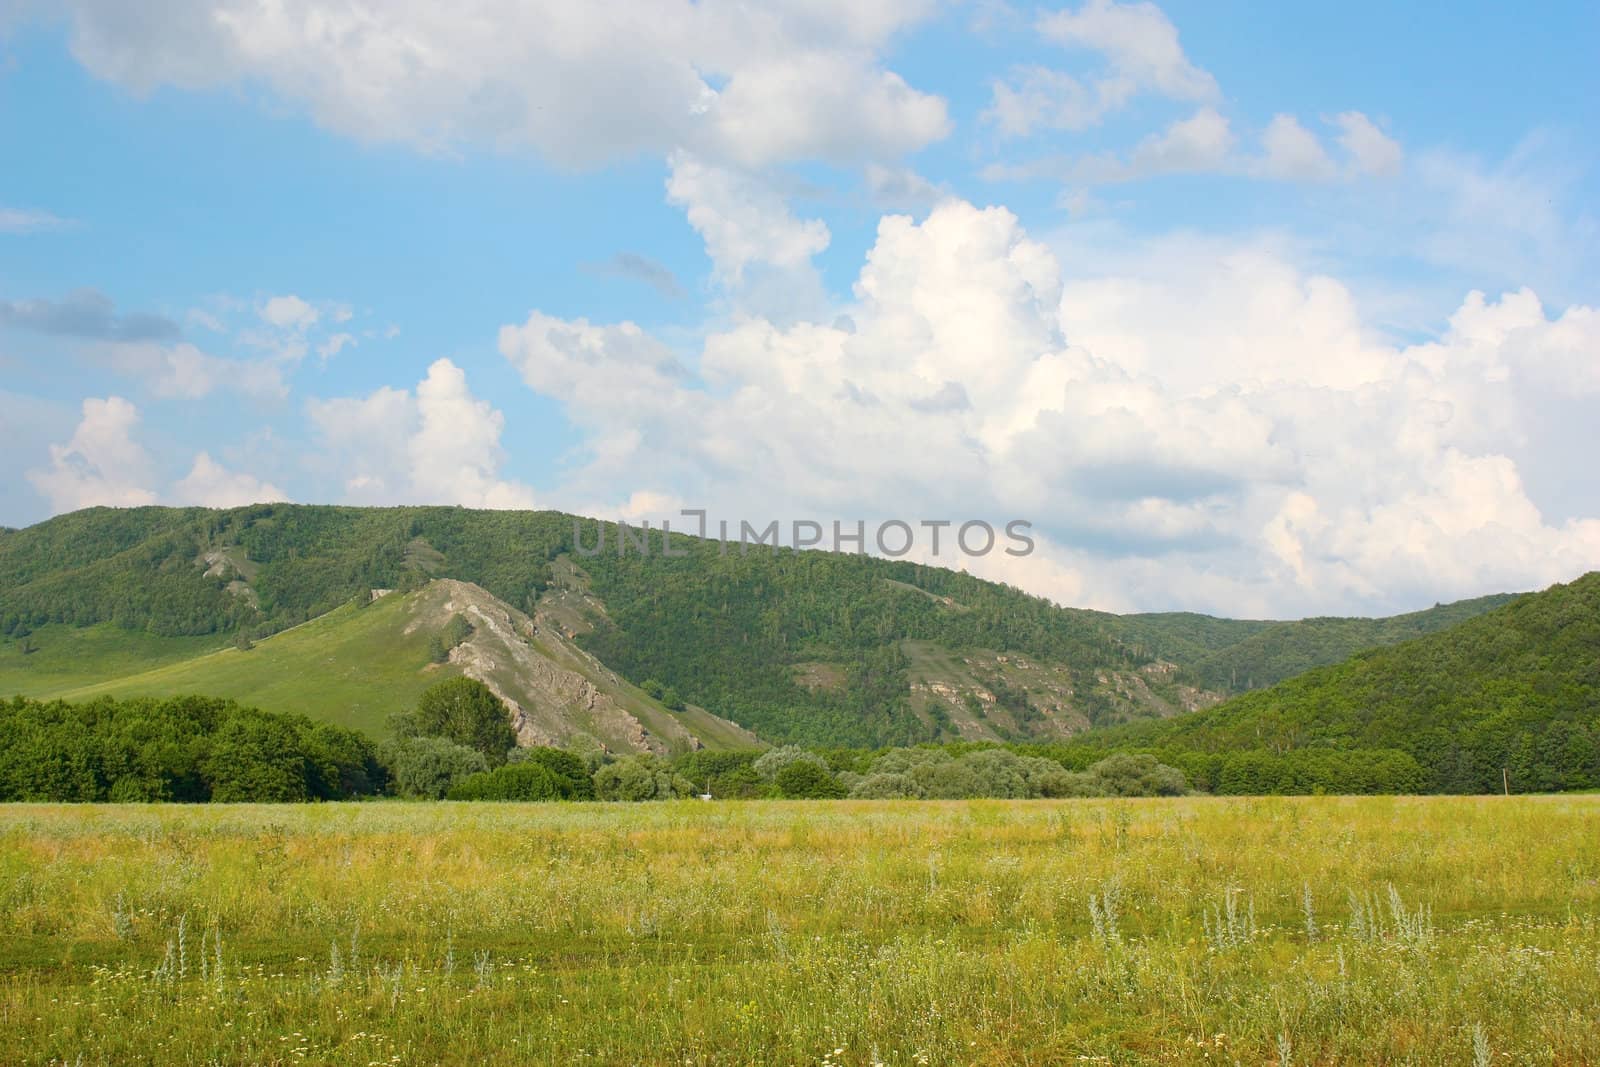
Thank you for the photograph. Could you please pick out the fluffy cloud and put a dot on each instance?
(104, 465)
(900, 187)
(276, 336)
(1140, 45)
(101, 465)
(440, 445)
(1141, 53)
(209, 484)
(742, 220)
(1040, 98)
(183, 370)
(1371, 150)
(750, 84)
(288, 313)
(641, 268)
(1203, 424)
(1293, 152)
(1205, 143)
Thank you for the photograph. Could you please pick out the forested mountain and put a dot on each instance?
(1237, 655)
(815, 647)
(1514, 690)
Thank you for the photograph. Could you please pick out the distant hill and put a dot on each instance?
(820, 648)
(1515, 689)
(361, 662)
(1235, 655)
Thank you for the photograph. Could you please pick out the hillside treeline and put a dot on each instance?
(456, 744)
(183, 749)
(1511, 694)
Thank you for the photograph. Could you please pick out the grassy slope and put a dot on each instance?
(353, 667)
(356, 667)
(69, 657)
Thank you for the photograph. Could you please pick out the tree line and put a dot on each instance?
(457, 743)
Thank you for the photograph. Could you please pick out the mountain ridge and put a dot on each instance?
(1511, 696)
(814, 647)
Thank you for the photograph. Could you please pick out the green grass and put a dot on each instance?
(353, 667)
(770, 932)
(70, 657)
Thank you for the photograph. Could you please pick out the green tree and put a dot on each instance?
(641, 777)
(1138, 776)
(570, 773)
(465, 711)
(428, 767)
(256, 758)
(514, 781)
(803, 780)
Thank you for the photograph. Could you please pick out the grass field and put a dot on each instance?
(351, 667)
(1207, 931)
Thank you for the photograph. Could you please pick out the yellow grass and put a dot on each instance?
(771, 932)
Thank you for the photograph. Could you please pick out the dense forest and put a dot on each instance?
(185, 749)
(1511, 694)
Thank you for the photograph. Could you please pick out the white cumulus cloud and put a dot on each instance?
(580, 84)
(440, 444)
(102, 465)
(1200, 424)
(209, 484)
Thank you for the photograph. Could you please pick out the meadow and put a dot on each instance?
(1313, 930)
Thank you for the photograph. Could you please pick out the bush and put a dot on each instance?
(774, 761)
(804, 780)
(568, 770)
(465, 711)
(515, 781)
(664, 693)
(1138, 776)
(640, 778)
(886, 786)
(457, 630)
(429, 766)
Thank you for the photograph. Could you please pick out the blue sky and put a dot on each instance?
(1190, 287)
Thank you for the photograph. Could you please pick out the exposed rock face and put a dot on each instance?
(558, 693)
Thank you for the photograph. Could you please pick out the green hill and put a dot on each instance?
(1516, 689)
(815, 647)
(1237, 655)
(369, 658)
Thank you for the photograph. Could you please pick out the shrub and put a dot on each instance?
(1138, 776)
(429, 766)
(568, 770)
(885, 786)
(773, 762)
(514, 781)
(805, 780)
(640, 778)
(457, 630)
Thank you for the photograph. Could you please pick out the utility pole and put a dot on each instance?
(1505, 780)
